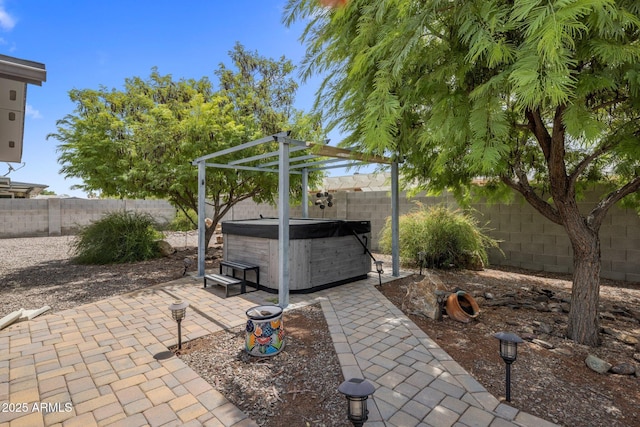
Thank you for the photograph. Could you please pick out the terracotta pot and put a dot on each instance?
(462, 307)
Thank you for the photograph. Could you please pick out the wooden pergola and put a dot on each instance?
(292, 157)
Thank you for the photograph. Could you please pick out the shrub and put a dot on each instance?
(182, 223)
(448, 238)
(118, 237)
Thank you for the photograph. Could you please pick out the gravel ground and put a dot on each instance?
(37, 271)
(296, 387)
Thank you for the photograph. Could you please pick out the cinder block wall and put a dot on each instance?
(528, 240)
(54, 217)
(23, 217)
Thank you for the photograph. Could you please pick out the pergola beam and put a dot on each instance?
(343, 153)
(285, 167)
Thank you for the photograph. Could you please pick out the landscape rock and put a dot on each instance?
(543, 327)
(623, 369)
(165, 248)
(621, 336)
(555, 307)
(423, 295)
(563, 351)
(598, 365)
(636, 356)
(608, 316)
(543, 344)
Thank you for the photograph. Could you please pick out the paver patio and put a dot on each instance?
(95, 365)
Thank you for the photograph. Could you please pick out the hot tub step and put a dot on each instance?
(222, 280)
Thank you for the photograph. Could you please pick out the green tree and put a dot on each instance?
(140, 141)
(541, 97)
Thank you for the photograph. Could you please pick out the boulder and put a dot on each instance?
(624, 369)
(423, 295)
(165, 248)
(598, 365)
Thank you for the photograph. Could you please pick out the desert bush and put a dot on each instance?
(448, 238)
(118, 237)
(182, 223)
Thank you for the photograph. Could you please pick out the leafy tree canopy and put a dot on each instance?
(542, 97)
(140, 141)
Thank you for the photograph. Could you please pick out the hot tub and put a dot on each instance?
(322, 253)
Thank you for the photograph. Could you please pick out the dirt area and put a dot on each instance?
(552, 383)
(296, 387)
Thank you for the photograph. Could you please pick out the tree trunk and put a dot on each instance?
(208, 234)
(584, 322)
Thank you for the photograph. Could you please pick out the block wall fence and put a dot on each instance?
(55, 217)
(528, 240)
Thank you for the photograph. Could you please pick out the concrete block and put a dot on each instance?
(546, 259)
(625, 267)
(613, 275)
(614, 231)
(553, 268)
(633, 257)
(533, 248)
(556, 250)
(533, 266)
(632, 277)
(521, 257)
(614, 254)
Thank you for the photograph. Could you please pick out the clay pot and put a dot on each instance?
(462, 307)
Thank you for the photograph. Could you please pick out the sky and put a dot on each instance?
(86, 44)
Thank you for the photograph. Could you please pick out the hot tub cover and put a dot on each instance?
(299, 228)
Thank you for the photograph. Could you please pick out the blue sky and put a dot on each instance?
(86, 44)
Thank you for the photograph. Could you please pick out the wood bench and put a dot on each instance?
(244, 267)
(222, 280)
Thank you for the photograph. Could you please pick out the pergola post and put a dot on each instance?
(283, 225)
(395, 222)
(305, 193)
(202, 194)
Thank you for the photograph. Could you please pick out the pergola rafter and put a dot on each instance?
(314, 157)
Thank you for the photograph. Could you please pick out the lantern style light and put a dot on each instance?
(357, 391)
(178, 312)
(422, 257)
(380, 270)
(509, 352)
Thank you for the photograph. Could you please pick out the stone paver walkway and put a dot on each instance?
(95, 365)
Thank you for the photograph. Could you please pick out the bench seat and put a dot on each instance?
(222, 280)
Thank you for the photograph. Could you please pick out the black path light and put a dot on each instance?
(357, 391)
(508, 351)
(380, 270)
(178, 311)
(422, 258)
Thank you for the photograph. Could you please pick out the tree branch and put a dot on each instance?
(596, 216)
(557, 169)
(523, 187)
(614, 101)
(537, 127)
(584, 163)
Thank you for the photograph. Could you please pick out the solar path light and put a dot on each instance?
(178, 311)
(380, 270)
(508, 351)
(357, 391)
